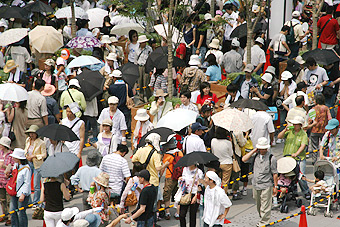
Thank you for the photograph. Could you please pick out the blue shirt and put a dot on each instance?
(214, 72)
(85, 175)
(23, 180)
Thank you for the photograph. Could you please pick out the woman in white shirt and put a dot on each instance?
(107, 141)
(287, 85)
(133, 45)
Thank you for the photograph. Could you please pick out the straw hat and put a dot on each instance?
(194, 60)
(160, 92)
(215, 43)
(107, 122)
(141, 115)
(49, 62)
(102, 179)
(286, 164)
(142, 39)
(262, 143)
(18, 153)
(297, 120)
(10, 64)
(106, 39)
(5, 141)
(48, 90)
(32, 128)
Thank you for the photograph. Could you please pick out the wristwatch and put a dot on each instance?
(277, 187)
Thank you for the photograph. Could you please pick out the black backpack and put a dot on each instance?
(291, 36)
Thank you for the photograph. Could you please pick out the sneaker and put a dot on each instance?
(244, 192)
(278, 141)
(176, 216)
(236, 197)
(273, 143)
(167, 216)
(275, 202)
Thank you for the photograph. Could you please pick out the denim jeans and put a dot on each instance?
(93, 219)
(19, 219)
(36, 181)
(91, 123)
(147, 223)
(330, 102)
(303, 184)
(201, 211)
(203, 51)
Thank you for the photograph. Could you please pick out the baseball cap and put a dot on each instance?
(145, 174)
(206, 108)
(249, 68)
(113, 100)
(332, 124)
(197, 126)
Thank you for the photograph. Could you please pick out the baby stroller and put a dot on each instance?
(289, 167)
(332, 183)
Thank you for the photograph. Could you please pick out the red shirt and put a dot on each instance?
(328, 35)
(181, 49)
(206, 97)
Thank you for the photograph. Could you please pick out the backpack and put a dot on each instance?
(177, 172)
(146, 163)
(290, 38)
(12, 183)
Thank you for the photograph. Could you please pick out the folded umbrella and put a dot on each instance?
(194, 158)
(84, 42)
(130, 73)
(66, 12)
(58, 164)
(57, 132)
(91, 84)
(82, 61)
(177, 119)
(322, 56)
(13, 92)
(123, 29)
(8, 12)
(233, 120)
(162, 131)
(38, 7)
(12, 36)
(250, 104)
(96, 17)
(46, 39)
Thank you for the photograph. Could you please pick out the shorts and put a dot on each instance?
(169, 186)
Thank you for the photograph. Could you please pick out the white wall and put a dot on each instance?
(277, 12)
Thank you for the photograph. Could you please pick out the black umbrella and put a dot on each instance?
(322, 56)
(130, 73)
(152, 59)
(57, 164)
(8, 12)
(38, 7)
(196, 157)
(241, 30)
(91, 83)
(250, 104)
(57, 132)
(162, 131)
(162, 62)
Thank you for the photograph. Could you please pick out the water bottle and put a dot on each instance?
(134, 186)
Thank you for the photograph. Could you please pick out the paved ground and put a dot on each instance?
(242, 213)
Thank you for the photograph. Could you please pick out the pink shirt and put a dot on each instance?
(48, 78)
(7, 160)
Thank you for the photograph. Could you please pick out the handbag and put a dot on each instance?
(129, 101)
(38, 213)
(131, 199)
(11, 134)
(236, 166)
(186, 199)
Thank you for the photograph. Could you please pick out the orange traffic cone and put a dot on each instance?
(303, 218)
(226, 221)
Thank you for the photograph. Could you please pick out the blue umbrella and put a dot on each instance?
(58, 164)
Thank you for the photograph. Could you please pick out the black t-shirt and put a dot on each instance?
(201, 29)
(269, 91)
(147, 197)
(333, 74)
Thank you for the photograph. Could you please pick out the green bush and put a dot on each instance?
(232, 76)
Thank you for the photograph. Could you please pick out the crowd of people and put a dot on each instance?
(301, 100)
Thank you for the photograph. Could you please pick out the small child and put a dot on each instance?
(283, 182)
(319, 183)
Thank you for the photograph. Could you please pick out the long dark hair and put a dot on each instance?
(211, 59)
(131, 33)
(23, 161)
(22, 105)
(202, 86)
(221, 133)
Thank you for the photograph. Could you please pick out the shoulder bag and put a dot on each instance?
(11, 134)
(129, 101)
(186, 199)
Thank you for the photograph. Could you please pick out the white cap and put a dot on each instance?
(297, 120)
(60, 61)
(194, 60)
(105, 39)
(296, 14)
(262, 143)
(113, 100)
(267, 77)
(112, 57)
(18, 153)
(235, 43)
(286, 75)
(68, 213)
(300, 60)
(207, 16)
(116, 73)
(81, 223)
(259, 40)
(74, 82)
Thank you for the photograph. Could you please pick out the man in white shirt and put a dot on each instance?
(194, 142)
(117, 167)
(315, 76)
(186, 102)
(258, 57)
(230, 16)
(216, 201)
(263, 127)
(290, 103)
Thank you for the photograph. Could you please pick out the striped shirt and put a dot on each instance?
(117, 168)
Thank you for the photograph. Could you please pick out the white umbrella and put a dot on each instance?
(12, 36)
(46, 39)
(13, 92)
(177, 119)
(177, 37)
(82, 61)
(66, 12)
(233, 120)
(96, 17)
(123, 29)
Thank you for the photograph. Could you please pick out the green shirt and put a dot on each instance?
(294, 142)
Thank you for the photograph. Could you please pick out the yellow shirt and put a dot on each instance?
(155, 162)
